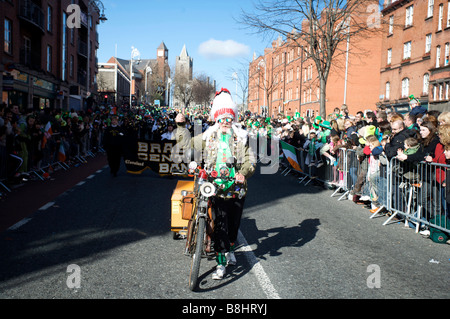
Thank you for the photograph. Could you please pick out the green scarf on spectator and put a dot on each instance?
(412, 150)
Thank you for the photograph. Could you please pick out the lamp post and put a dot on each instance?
(99, 7)
(347, 31)
(147, 70)
(169, 82)
(260, 64)
(134, 55)
(234, 76)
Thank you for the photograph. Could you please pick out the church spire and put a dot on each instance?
(184, 52)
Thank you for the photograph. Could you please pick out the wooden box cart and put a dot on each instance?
(179, 203)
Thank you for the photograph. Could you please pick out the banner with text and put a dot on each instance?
(159, 157)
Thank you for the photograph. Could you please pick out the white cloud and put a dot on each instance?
(216, 49)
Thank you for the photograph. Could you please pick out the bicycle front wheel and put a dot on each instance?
(197, 251)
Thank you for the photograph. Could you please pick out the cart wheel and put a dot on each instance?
(175, 235)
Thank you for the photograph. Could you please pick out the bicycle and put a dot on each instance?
(201, 223)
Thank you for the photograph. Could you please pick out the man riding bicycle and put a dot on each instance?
(225, 148)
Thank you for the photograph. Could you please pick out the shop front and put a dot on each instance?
(44, 94)
(27, 91)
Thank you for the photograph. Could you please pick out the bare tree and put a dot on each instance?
(320, 28)
(202, 90)
(240, 75)
(264, 80)
(182, 87)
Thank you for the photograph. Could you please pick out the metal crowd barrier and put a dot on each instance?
(417, 193)
(52, 162)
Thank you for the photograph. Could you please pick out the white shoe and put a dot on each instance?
(231, 258)
(219, 273)
(425, 232)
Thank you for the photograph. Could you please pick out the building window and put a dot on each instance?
(391, 25)
(405, 87)
(428, 43)
(407, 50)
(435, 92)
(448, 15)
(447, 85)
(49, 58)
(438, 56)
(441, 16)
(8, 36)
(426, 83)
(49, 18)
(64, 48)
(27, 50)
(409, 16)
(388, 91)
(389, 56)
(430, 8)
(447, 54)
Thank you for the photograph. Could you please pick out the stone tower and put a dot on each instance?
(184, 64)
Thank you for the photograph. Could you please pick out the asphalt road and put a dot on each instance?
(109, 238)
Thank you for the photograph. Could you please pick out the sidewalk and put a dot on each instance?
(28, 198)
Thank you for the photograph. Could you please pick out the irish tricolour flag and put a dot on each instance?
(291, 155)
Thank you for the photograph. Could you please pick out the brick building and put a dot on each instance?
(48, 57)
(149, 82)
(415, 53)
(283, 80)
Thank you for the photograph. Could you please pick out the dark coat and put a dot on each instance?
(397, 142)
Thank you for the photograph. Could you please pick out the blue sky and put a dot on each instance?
(213, 38)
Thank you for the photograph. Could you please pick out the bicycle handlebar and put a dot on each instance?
(209, 176)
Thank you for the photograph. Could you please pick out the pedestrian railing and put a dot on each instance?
(415, 194)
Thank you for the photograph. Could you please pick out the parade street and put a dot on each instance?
(109, 237)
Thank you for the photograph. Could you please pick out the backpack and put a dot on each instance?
(437, 235)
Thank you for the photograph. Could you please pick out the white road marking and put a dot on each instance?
(19, 224)
(90, 177)
(263, 279)
(81, 183)
(47, 206)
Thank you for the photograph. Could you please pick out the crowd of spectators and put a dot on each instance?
(38, 139)
(376, 137)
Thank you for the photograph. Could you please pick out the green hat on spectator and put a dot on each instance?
(317, 122)
(326, 124)
(366, 131)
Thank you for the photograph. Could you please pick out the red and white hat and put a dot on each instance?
(223, 106)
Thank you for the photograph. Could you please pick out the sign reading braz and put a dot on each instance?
(156, 156)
